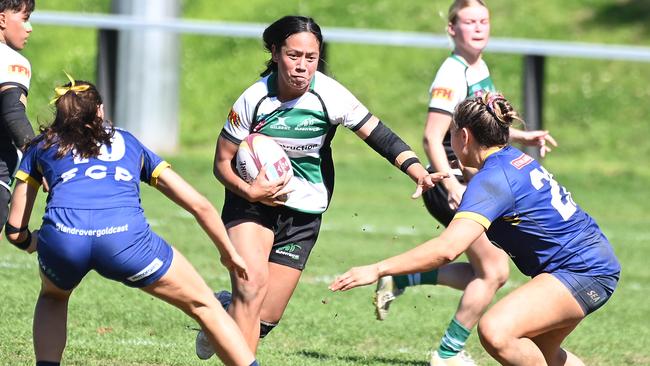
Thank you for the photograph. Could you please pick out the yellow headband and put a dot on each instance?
(60, 91)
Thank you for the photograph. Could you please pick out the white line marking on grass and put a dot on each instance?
(145, 342)
(127, 342)
(372, 229)
(327, 279)
(14, 265)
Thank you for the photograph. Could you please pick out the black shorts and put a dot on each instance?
(295, 232)
(435, 200)
(5, 197)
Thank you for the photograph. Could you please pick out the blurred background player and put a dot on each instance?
(15, 74)
(300, 109)
(518, 204)
(93, 220)
(463, 74)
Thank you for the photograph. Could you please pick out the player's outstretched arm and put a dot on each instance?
(434, 253)
(182, 193)
(385, 142)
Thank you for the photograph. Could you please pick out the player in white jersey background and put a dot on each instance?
(462, 75)
(524, 210)
(15, 75)
(300, 109)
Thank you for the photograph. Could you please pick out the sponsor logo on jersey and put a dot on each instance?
(281, 124)
(20, 69)
(442, 93)
(522, 161)
(233, 118)
(298, 147)
(289, 250)
(309, 124)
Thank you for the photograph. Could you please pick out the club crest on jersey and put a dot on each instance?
(20, 69)
(442, 93)
(521, 161)
(233, 118)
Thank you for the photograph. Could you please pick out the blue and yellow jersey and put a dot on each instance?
(534, 219)
(108, 181)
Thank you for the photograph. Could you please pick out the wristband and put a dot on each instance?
(408, 162)
(10, 229)
(23, 244)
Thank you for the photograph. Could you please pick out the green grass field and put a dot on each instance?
(596, 109)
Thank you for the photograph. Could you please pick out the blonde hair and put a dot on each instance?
(489, 117)
(459, 5)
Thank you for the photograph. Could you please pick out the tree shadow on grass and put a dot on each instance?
(361, 360)
(623, 12)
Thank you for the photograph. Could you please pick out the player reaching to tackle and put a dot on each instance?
(93, 220)
(463, 74)
(523, 210)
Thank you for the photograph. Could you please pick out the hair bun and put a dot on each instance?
(500, 108)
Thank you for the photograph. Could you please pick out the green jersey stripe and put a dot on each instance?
(307, 168)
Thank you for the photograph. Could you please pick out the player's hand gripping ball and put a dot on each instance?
(259, 150)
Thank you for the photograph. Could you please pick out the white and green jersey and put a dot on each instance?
(14, 68)
(304, 127)
(455, 82)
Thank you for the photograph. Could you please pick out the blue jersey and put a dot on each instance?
(110, 180)
(534, 219)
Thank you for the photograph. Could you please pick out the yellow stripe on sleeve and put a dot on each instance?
(474, 217)
(156, 172)
(21, 175)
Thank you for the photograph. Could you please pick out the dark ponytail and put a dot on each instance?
(76, 124)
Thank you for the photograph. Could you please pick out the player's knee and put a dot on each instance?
(266, 328)
(491, 335)
(497, 275)
(253, 290)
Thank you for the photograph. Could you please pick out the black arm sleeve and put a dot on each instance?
(386, 143)
(13, 117)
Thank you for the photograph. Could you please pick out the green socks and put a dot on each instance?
(424, 278)
(454, 340)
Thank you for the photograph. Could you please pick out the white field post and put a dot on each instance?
(146, 91)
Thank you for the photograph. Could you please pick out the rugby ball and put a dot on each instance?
(258, 150)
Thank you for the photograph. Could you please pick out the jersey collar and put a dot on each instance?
(492, 150)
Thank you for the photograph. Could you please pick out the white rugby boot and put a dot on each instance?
(385, 293)
(461, 359)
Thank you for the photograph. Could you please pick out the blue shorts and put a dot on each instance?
(117, 243)
(591, 291)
